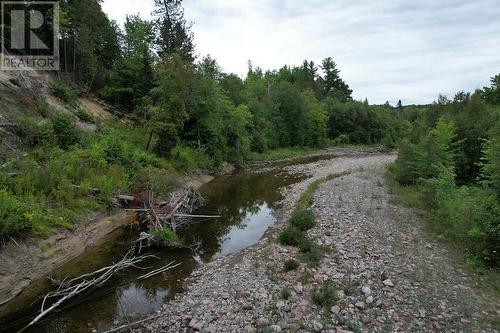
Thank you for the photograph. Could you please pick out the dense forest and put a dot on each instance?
(185, 114)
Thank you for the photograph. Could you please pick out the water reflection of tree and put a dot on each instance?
(234, 199)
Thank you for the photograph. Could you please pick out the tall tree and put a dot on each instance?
(170, 96)
(174, 32)
(492, 94)
(90, 44)
(333, 84)
(131, 80)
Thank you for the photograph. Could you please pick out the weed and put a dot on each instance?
(291, 265)
(303, 219)
(285, 293)
(65, 93)
(168, 237)
(291, 236)
(325, 295)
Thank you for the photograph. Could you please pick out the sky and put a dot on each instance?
(386, 49)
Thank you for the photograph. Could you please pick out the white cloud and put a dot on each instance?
(387, 50)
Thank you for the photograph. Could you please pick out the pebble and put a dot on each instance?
(196, 325)
(275, 328)
(317, 326)
(360, 305)
(388, 283)
(335, 309)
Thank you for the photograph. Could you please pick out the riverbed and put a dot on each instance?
(247, 202)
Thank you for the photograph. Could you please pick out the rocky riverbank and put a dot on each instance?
(384, 273)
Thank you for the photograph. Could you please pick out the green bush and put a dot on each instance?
(303, 219)
(469, 215)
(291, 236)
(85, 116)
(285, 293)
(325, 295)
(188, 159)
(19, 215)
(160, 181)
(65, 130)
(291, 265)
(425, 160)
(312, 253)
(168, 237)
(491, 165)
(65, 93)
(37, 134)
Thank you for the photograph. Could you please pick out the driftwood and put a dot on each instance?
(135, 323)
(172, 214)
(69, 289)
(163, 269)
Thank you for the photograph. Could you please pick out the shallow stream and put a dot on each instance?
(247, 202)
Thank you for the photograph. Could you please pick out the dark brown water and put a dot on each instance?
(246, 201)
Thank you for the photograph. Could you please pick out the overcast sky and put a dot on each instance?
(386, 49)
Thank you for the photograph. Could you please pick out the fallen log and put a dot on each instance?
(86, 282)
(170, 266)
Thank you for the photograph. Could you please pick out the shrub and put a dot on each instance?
(303, 219)
(168, 237)
(160, 181)
(65, 93)
(42, 108)
(189, 159)
(37, 134)
(65, 130)
(491, 166)
(312, 252)
(85, 116)
(285, 293)
(325, 295)
(291, 236)
(291, 265)
(23, 214)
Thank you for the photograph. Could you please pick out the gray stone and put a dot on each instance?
(366, 290)
(360, 305)
(275, 328)
(388, 283)
(195, 324)
(335, 309)
(317, 326)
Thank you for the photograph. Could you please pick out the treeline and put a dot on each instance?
(190, 106)
(450, 163)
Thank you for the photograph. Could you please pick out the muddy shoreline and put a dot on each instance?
(27, 261)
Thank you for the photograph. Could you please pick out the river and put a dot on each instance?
(247, 202)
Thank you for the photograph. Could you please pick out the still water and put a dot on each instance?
(246, 201)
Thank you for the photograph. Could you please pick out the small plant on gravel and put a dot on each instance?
(285, 293)
(303, 219)
(291, 236)
(314, 254)
(325, 295)
(291, 265)
(350, 286)
(305, 278)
